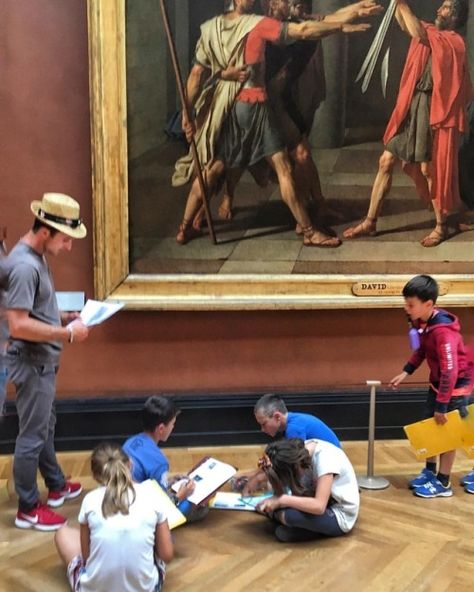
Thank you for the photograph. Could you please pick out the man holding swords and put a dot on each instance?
(429, 118)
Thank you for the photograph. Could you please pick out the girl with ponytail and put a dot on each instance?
(124, 538)
(110, 467)
(315, 489)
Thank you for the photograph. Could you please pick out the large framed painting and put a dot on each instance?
(257, 261)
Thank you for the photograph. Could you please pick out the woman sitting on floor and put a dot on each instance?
(124, 538)
(316, 491)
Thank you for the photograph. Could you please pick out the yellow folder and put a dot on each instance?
(468, 423)
(469, 450)
(175, 517)
(427, 438)
(468, 437)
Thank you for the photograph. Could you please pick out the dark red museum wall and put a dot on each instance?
(45, 146)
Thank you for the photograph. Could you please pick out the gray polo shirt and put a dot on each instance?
(31, 288)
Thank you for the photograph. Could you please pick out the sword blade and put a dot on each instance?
(384, 72)
(374, 44)
(384, 27)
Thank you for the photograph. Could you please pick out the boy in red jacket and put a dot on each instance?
(441, 344)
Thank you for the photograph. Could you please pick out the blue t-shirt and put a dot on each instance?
(148, 461)
(308, 427)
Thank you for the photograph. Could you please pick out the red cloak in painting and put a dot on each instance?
(451, 84)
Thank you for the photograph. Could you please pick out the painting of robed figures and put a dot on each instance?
(328, 137)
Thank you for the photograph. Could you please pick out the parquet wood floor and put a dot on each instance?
(400, 543)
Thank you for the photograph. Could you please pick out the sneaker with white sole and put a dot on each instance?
(422, 479)
(40, 518)
(70, 491)
(469, 488)
(468, 479)
(434, 488)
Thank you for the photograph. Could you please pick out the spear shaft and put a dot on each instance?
(186, 111)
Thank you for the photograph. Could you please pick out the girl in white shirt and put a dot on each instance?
(124, 539)
(315, 489)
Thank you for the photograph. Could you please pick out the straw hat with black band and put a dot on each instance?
(61, 212)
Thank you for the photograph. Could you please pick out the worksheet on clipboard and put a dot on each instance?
(208, 476)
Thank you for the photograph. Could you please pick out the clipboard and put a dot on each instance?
(469, 450)
(468, 437)
(224, 500)
(468, 423)
(427, 438)
(175, 517)
(208, 475)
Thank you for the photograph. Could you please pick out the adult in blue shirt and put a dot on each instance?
(274, 418)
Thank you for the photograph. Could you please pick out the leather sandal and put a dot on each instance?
(326, 242)
(353, 231)
(186, 232)
(438, 235)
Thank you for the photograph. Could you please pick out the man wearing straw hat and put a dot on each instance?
(37, 334)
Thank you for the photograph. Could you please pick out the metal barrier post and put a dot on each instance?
(369, 481)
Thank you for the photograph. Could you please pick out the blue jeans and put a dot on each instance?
(325, 524)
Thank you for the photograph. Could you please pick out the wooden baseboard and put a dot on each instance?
(221, 419)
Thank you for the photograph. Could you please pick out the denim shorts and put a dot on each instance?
(458, 402)
(77, 567)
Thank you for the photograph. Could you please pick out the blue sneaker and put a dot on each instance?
(423, 478)
(468, 479)
(434, 488)
(469, 488)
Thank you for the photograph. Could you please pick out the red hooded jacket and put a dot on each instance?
(450, 362)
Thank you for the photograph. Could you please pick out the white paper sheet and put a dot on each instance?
(224, 500)
(208, 477)
(95, 312)
(70, 301)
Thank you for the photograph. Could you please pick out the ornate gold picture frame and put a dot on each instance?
(194, 291)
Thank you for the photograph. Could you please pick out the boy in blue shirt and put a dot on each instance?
(148, 461)
(274, 418)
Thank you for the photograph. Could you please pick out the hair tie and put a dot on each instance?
(265, 463)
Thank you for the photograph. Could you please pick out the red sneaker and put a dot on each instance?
(40, 518)
(70, 491)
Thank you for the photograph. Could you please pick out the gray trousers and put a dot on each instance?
(3, 382)
(35, 386)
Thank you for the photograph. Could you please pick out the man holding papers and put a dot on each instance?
(37, 334)
(451, 373)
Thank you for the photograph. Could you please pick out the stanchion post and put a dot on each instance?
(369, 481)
